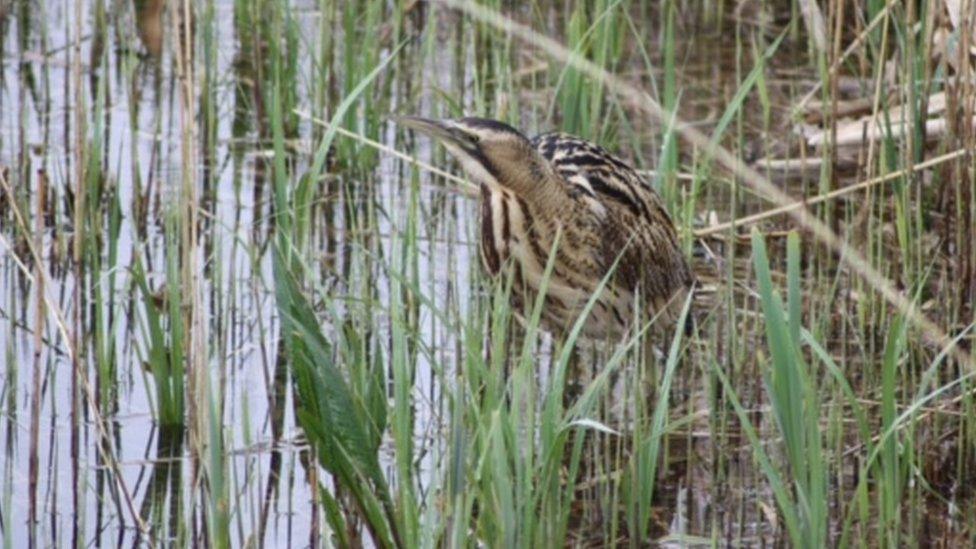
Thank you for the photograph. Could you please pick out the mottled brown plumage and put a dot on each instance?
(602, 212)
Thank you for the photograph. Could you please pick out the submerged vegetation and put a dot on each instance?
(239, 307)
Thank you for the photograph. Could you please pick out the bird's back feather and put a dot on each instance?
(636, 227)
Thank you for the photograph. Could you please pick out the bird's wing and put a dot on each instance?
(636, 225)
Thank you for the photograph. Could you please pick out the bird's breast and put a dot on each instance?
(516, 235)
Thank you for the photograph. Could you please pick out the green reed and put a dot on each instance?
(419, 416)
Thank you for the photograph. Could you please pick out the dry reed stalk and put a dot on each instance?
(931, 331)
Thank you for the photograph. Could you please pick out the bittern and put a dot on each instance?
(556, 189)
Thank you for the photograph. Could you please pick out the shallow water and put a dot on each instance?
(142, 140)
(361, 212)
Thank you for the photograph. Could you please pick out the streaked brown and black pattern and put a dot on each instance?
(559, 186)
(612, 213)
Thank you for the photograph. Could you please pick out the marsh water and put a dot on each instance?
(86, 455)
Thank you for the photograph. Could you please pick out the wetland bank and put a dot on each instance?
(240, 307)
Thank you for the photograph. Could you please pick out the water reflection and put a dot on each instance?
(149, 25)
(161, 506)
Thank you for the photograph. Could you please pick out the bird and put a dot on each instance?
(563, 196)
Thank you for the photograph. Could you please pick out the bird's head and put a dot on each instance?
(489, 151)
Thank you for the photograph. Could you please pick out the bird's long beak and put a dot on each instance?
(435, 128)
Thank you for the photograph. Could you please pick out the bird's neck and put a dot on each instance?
(537, 183)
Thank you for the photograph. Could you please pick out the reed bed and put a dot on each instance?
(240, 307)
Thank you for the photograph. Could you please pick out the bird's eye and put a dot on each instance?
(465, 137)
